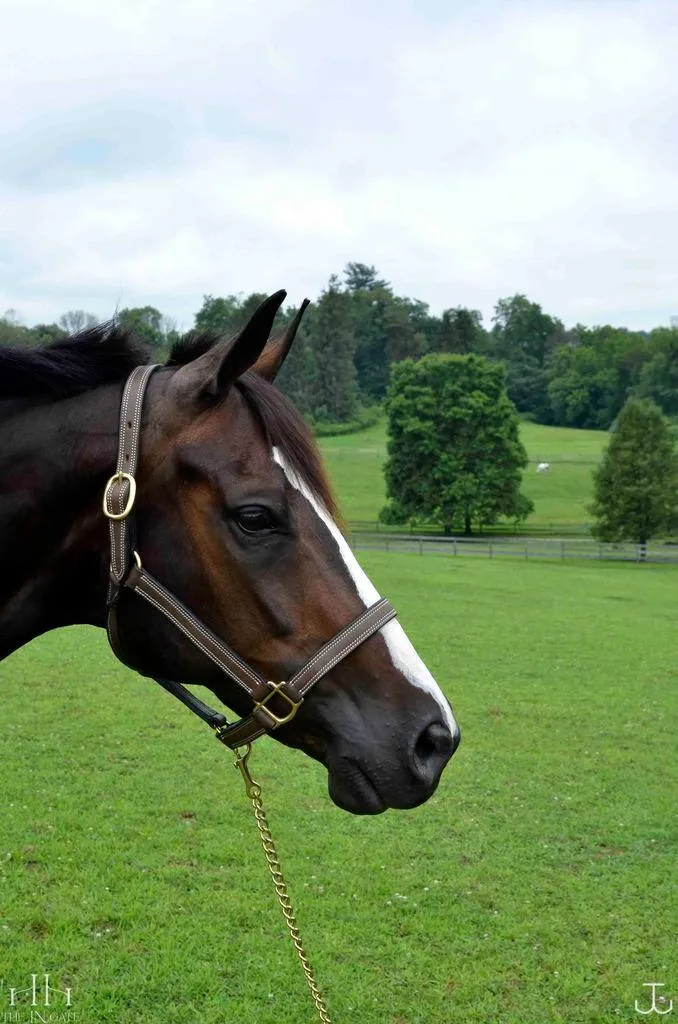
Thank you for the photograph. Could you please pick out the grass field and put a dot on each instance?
(560, 496)
(537, 886)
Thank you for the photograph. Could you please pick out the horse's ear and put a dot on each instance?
(271, 359)
(212, 373)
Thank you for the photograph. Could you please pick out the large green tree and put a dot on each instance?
(454, 452)
(593, 373)
(636, 484)
(523, 337)
(522, 330)
(460, 330)
(149, 325)
(386, 328)
(332, 344)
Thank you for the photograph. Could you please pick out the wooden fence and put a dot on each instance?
(552, 548)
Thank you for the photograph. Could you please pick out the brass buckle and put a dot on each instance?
(294, 705)
(118, 478)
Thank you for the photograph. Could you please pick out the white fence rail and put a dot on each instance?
(552, 548)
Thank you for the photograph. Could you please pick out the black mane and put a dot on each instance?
(99, 355)
(192, 345)
(107, 354)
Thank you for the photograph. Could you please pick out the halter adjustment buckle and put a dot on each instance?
(277, 689)
(119, 478)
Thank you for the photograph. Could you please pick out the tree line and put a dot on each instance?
(452, 392)
(455, 457)
(358, 328)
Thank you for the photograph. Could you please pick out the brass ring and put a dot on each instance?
(119, 478)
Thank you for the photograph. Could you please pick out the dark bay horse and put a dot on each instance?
(233, 514)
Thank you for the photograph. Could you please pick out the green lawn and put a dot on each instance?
(537, 886)
(355, 463)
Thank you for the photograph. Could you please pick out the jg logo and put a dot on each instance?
(654, 985)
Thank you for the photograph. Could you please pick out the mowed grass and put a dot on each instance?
(355, 463)
(561, 495)
(538, 885)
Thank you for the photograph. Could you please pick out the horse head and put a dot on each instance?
(234, 515)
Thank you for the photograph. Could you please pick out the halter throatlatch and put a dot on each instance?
(273, 703)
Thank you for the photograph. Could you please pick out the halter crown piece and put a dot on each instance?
(273, 703)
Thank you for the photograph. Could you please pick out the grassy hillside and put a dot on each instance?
(536, 887)
(355, 463)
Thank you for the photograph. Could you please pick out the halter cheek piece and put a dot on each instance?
(274, 704)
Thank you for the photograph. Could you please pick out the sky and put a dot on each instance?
(154, 151)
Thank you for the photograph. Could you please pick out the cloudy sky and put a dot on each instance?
(153, 151)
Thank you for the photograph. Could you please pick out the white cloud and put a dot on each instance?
(501, 148)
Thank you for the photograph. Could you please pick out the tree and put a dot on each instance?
(13, 332)
(297, 375)
(332, 343)
(387, 328)
(658, 379)
(522, 330)
(524, 337)
(454, 454)
(226, 315)
(371, 353)
(636, 484)
(460, 330)
(147, 323)
(75, 320)
(591, 376)
(527, 387)
(47, 334)
(361, 277)
(400, 320)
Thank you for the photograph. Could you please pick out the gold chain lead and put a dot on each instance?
(253, 790)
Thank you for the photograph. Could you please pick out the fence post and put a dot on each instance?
(455, 545)
(387, 543)
(600, 552)
(490, 549)
(421, 546)
(526, 551)
(562, 550)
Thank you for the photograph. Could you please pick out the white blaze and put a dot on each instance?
(403, 654)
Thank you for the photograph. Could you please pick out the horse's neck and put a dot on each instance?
(54, 460)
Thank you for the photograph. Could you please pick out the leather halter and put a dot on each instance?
(274, 704)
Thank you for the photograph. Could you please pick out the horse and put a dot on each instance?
(234, 514)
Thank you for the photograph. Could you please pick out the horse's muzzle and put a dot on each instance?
(371, 784)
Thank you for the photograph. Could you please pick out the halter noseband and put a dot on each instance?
(274, 704)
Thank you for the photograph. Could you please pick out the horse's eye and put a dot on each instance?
(254, 519)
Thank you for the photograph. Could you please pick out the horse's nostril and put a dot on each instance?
(435, 739)
(433, 749)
